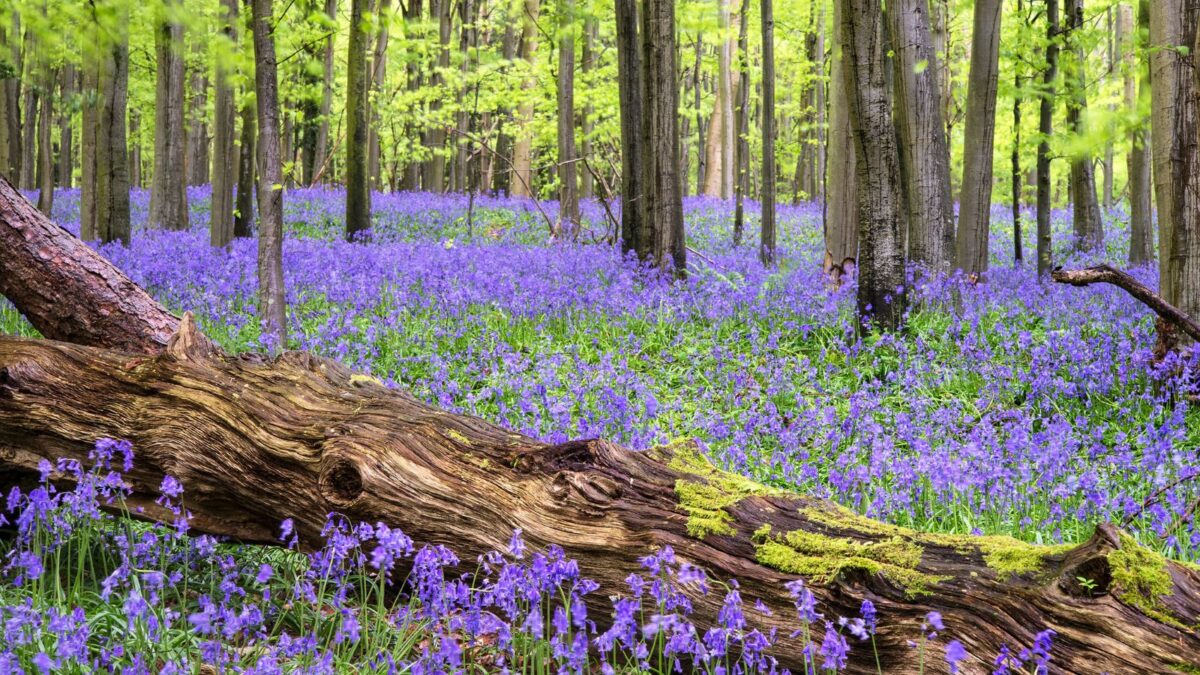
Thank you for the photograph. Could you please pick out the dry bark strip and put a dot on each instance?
(255, 441)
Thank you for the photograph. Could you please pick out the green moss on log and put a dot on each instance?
(1141, 579)
(709, 492)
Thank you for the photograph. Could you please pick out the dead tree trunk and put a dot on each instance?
(255, 441)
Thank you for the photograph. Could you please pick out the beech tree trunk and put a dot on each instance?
(45, 153)
(1089, 228)
(66, 144)
(29, 101)
(358, 119)
(271, 308)
(719, 162)
(321, 152)
(104, 205)
(925, 152)
(568, 191)
(521, 183)
(1045, 128)
(841, 201)
(975, 208)
(635, 232)
(663, 194)
(766, 246)
(378, 77)
(741, 113)
(256, 440)
(197, 129)
(168, 189)
(881, 223)
(1170, 72)
(225, 164)
(243, 217)
(1141, 240)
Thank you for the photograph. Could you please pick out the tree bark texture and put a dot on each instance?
(1089, 228)
(1141, 238)
(1169, 75)
(255, 440)
(662, 191)
(766, 246)
(271, 307)
(881, 221)
(1045, 128)
(634, 229)
(568, 191)
(321, 151)
(168, 188)
(66, 145)
(358, 120)
(45, 153)
(841, 202)
(225, 164)
(243, 217)
(975, 207)
(925, 152)
(521, 184)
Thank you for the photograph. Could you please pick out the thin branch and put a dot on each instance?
(1106, 274)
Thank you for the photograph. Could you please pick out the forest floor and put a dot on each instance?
(1009, 407)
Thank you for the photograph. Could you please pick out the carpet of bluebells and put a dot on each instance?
(1007, 407)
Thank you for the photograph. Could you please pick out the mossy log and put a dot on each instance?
(255, 441)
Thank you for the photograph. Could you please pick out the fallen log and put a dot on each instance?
(255, 441)
(1107, 274)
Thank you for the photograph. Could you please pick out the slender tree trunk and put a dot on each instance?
(976, 201)
(766, 248)
(1109, 70)
(587, 187)
(463, 118)
(1141, 242)
(701, 127)
(12, 97)
(7, 113)
(243, 219)
(1089, 228)
(820, 88)
(1045, 128)
(135, 150)
(224, 166)
(522, 169)
(631, 91)
(925, 152)
(841, 205)
(741, 115)
(45, 153)
(168, 191)
(568, 195)
(321, 148)
(663, 195)
(358, 117)
(502, 178)
(881, 284)
(378, 78)
(436, 181)
(271, 305)
(29, 100)
(110, 164)
(1018, 87)
(93, 64)
(197, 133)
(66, 145)
(719, 161)
(1170, 72)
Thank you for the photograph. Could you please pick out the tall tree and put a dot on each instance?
(1179, 242)
(741, 114)
(881, 289)
(978, 137)
(924, 150)
(10, 82)
(766, 245)
(1018, 85)
(376, 80)
(271, 307)
(1170, 72)
(168, 188)
(630, 91)
(104, 213)
(522, 161)
(568, 195)
(1045, 129)
(662, 190)
(358, 117)
(719, 161)
(841, 203)
(197, 140)
(66, 149)
(1089, 228)
(321, 145)
(224, 165)
(587, 121)
(29, 102)
(243, 217)
(45, 153)
(1141, 237)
